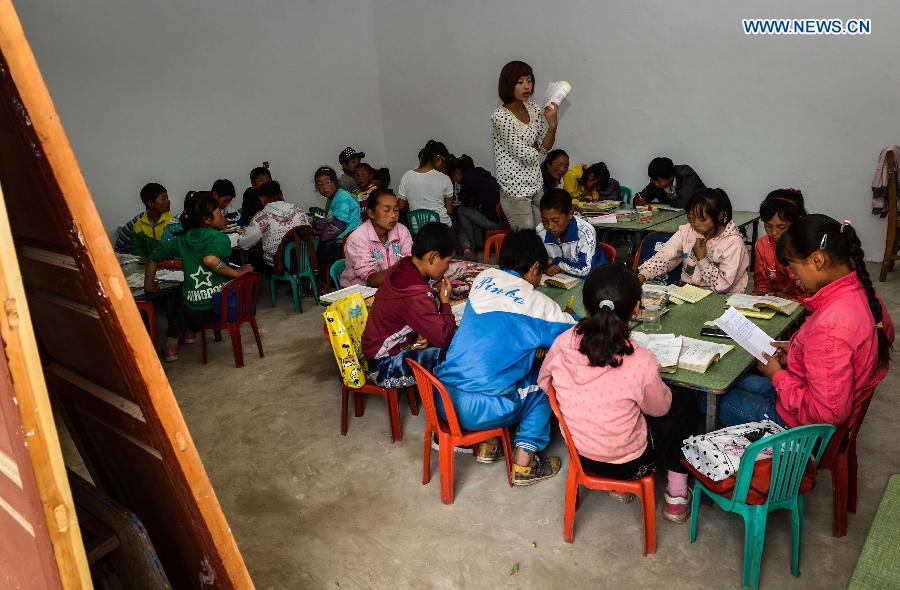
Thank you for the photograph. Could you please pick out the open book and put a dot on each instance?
(560, 280)
(666, 348)
(330, 298)
(761, 306)
(556, 93)
(699, 355)
(688, 293)
(746, 333)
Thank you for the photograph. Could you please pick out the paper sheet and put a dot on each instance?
(330, 298)
(611, 218)
(746, 334)
(665, 347)
(171, 276)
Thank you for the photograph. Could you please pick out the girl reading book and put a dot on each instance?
(623, 419)
(841, 349)
(709, 247)
(778, 211)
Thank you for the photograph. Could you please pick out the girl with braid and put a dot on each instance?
(843, 347)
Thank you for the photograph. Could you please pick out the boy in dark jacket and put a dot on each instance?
(670, 184)
(407, 320)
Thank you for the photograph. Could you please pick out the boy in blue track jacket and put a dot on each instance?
(490, 370)
(571, 242)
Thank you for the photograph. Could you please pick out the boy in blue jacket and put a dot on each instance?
(571, 242)
(490, 369)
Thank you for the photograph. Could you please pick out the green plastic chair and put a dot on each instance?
(304, 271)
(337, 269)
(625, 194)
(420, 217)
(791, 452)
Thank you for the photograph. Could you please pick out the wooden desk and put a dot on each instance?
(687, 320)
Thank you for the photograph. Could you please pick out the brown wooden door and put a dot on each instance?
(100, 366)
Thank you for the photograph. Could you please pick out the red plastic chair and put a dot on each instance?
(449, 433)
(390, 396)
(840, 460)
(146, 308)
(245, 292)
(492, 248)
(642, 488)
(609, 250)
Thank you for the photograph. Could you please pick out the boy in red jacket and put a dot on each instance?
(407, 319)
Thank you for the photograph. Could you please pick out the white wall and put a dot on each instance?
(657, 77)
(186, 92)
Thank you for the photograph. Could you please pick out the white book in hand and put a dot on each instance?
(556, 93)
(665, 347)
(334, 296)
(699, 355)
(747, 334)
(757, 302)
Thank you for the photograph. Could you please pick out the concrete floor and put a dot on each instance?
(313, 509)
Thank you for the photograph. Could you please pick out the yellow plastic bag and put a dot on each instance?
(345, 320)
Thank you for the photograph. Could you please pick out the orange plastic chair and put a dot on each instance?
(244, 292)
(390, 396)
(609, 250)
(449, 433)
(642, 488)
(146, 308)
(840, 460)
(492, 248)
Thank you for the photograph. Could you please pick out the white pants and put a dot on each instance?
(522, 213)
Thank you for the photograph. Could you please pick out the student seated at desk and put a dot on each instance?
(204, 251)
(149, 228)
(427, 187)
(554, 168)
(250, 203)
(369, 179)
(377, 244)
(490, 371)
(591, 183)
(841, 349)
(709, 247)
(273, 222)
(623, 419)
(224, 193)
(669, 184)
(479, 195)
(407, 320)
(349, 159)
(778, 211)
(341, 218)
(571, 242)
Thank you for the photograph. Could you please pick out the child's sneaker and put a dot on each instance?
(170, 354)
(677, 508)
(623, 498)
(437, 446)
(488, 452)
(189, 337)
(542, 468)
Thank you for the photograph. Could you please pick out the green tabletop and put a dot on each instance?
(562, 296)
(878, 567)
(672, 224)
(687, 320)
(658, 218)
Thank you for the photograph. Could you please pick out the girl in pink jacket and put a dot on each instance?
(377, 244)
(623, 419)
(843, 347)
(709, 247)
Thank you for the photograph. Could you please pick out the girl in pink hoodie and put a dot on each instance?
(843, 347)
(623, 419)
(709, 247)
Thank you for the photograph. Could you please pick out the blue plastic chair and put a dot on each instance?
(625, 194)
(419, 217)
(651, 243)
(304, 271)
(337, 269)
(791, 452)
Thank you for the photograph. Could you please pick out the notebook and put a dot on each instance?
(666, 348)
(761, 304)
(689, 293)
(330, 298)
(699, 355)
(563, 281)
(747, 334)
(556, 93)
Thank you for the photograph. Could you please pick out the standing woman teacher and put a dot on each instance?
(522, 135)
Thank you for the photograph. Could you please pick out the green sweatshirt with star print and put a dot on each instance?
(192, 247)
